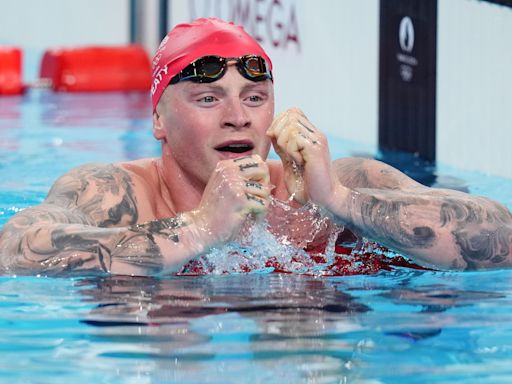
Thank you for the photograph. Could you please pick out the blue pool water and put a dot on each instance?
(400, 326)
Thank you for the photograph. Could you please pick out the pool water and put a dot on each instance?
(396, 326)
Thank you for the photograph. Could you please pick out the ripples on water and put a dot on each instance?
(402, 327)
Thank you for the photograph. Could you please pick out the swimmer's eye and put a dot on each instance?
(255, 98)
(207, 99)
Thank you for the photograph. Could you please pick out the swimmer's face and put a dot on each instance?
(203, 123)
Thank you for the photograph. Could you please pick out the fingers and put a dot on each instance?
(304, 152)
(255, 181)
(257, 189)
(250, 181)
(237, 189)
(277, 125)
(281, 132)
(293, 136)
(256, 195)
(256, 186)
(285, 118)
(252, 168)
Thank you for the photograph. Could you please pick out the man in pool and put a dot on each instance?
(213, 112)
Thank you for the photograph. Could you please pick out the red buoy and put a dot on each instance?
(10, 71)
(96, 69)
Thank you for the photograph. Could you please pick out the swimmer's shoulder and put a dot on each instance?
(141, 170)
(80, 179)
(110, 194)
(147, 184)
(86, 180)
(143, 173)
(84, 176)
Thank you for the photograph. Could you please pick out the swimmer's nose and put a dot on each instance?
(235, 116)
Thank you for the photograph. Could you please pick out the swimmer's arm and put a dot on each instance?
(443, 228)
(34, 242)
(87, 224)
(358, 172)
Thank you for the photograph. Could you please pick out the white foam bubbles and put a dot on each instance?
(278, 242)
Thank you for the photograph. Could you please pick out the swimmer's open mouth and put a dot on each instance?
(235, 147)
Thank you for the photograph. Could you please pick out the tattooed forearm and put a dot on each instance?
(443, 227)
(66, 251)
(482, 230)
(45, 249)
(88, 224)
(76, 248)
(163, 227)
(384, 218)
(446, 228)
(140, 251)
(146, 234)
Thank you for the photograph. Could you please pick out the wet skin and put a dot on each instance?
(152, 216)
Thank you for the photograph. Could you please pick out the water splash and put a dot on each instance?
(301, 240)
(284, 241)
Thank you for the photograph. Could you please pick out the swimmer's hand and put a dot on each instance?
(238, 189)
(304, 151)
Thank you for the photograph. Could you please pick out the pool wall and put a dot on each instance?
(326, 55)
(474, 85)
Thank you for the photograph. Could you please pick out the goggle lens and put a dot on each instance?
(210, 66)
(254, 66)
(208, 69)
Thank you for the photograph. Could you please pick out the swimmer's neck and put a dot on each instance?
(179, 192)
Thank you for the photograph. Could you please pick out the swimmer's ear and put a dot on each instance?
(158, 128)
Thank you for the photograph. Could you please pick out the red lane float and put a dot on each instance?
(10, 71)
(97, 69)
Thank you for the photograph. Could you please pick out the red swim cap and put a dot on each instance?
(190, 41)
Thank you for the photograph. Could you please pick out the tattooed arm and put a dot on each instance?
(88, 224)
(443, 228)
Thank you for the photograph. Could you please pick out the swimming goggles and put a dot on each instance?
(208, 69)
